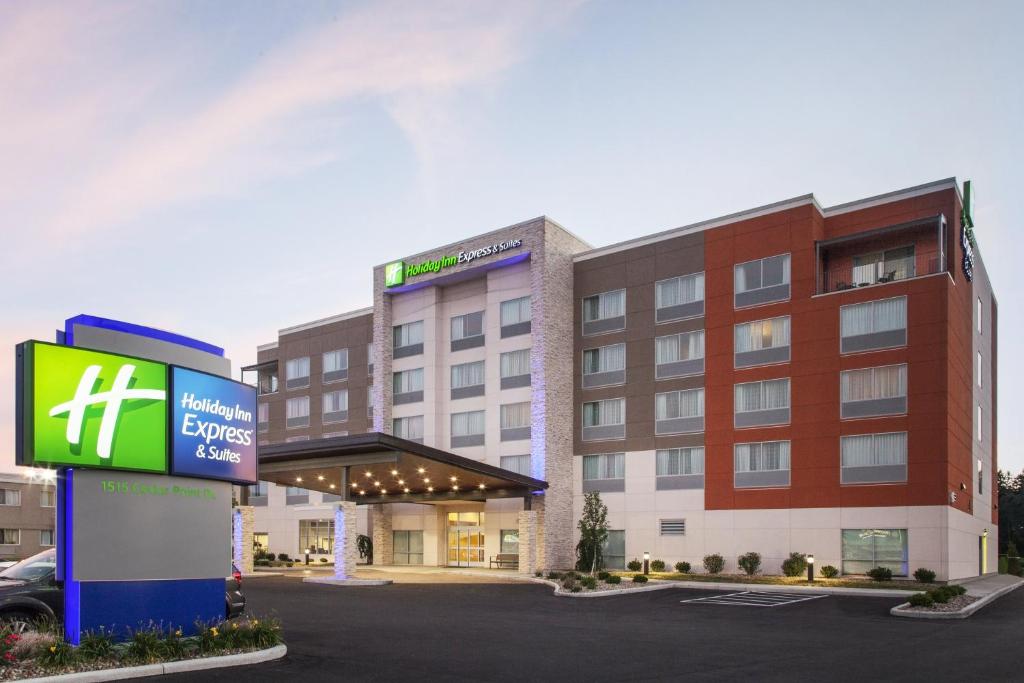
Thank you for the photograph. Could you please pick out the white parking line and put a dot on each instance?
(753, 599)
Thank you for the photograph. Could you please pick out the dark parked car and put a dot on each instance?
(29, 592)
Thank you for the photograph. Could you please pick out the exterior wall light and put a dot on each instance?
(647, 562)
(810, 568)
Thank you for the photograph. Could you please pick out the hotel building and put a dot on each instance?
(789, 378)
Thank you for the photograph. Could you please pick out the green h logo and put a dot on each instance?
(394, 274)
(97, 409)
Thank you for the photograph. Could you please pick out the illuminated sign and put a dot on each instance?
(397, 272)
(86, 408)
(213, 427)
(967, 242)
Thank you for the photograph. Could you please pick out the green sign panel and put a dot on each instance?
(397, 272)
(394, 274)
(84, 408)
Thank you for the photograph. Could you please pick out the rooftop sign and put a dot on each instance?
(398, 272)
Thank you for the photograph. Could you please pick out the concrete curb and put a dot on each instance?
(184, 665)
(562, 593)
(331, 581)
(261, 575)
(902, 611)
(774, 588)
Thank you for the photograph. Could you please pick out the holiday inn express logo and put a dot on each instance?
(394, 274)
(397, 272)
(95, 409)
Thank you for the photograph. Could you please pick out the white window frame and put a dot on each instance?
(518, 301)
(518, 458)
(53, 495)
(787, 279)
(403, 327)
(979, 430)
(323, 405)
(3, 534)
(693, 453)
(846, 438)
(53, 538)
(906, 388)
(410, 373)
(657, 291)
(599, 350)
(788, 456)
(980, 310)
(323, 365)
(483, 325)
(599, 296)
(505, 410)
(603, 466)
(761, 400)
(405, 422)
(789, 340)
(601, 412)
(468, 413)
(288, 369)
(483, 374)
(296, 400)
(504, 354)
(981, 369)
(11, 490)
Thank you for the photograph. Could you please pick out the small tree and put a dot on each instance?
(593, 526)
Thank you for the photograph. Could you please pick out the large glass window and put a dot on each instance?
(608, 412)
(335, 365)
(605, 359)
(679, 412)
(46, 537)
(316, 535)
(768, 277)
(47, 498)
(762, 334)
(673, 297)
(468, 375)
(263, 416)
(515, 363)
(258, 489)
(335, 406)
(10, 536)
(884, 266)
(297, 372)
(614, 552)
(762, 457)
(874, 391)
(267, 381)
(410, 428)
(604, 306)
(865, 549)
(873, 316)
(408, 334)
(520, 464)
(408, 381)
(515, 311)
(679, 347)
(515, 415)
(510, 541)
(468, 325)
(297, 411)
(407, 547)
(468, 424)
(762, 403)
(673, 462)
(874, 450)
(604, 466)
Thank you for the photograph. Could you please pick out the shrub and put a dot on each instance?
(172, 646)
(1014, 566)
(283, 557)
(634, 566)
(683, 567)
(554, 576)
(921, 600)
(714, 564)
(569, 582)
(795, 564)
(940, 595)
(538, 574)
(262, 563)
(58, 655)
(96, 645)
(750, 562)
(145, 645)
(603, 576)
(289, 564)
(589, 582)
(264, 633)
(657, 565)
(829, 572)
(924, 575)
(613, 580)
(880, 574)
(639, 578)
(324, 560)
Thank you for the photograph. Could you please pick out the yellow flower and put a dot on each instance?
(214, 631)
(234, 625)
(178, 633)
(53, 648)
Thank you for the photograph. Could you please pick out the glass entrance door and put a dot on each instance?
(465, 539)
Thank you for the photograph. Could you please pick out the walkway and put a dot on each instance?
(986, 585)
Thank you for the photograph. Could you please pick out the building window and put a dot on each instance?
(468, 429)
(335, 406)
(510, 541)
(883, 266)
(297, 412)
(10, 497)
(604, 419)
(407, 386)
(870, 392)
(604, 366)
(258, 490)
(981, 478)
(293, 439)
(679, 298)
(369, 401)
(409, 428)
(679, 468)
(515, 369)
(761, 404)
(604, 312)
(369, 359)
(268, 382)
(10, 536)
(605, 473)
(468, 380)
(978, 421)
(515, 317)
(874, 458)
(520, 464)
(407, 339)
(317, 536)
(979, 369)
(296, 372)
(47, 498)
(679, 412)
(467, 331)
(764, 464)
(979, 316)
(336, 365)
(762, 342)
(672, 527)
(873, 325)
(260, 541)
(46, 537)
(515, 421)
(761, 281)
(865, 549)
(614, 551)
(407, 547)
(263, 417)
(679, 355)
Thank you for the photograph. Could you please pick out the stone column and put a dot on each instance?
(383, 539)
(345, 550)
(243, 523)
(527, 541)
(541, 555)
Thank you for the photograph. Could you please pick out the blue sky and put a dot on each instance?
(226, 169)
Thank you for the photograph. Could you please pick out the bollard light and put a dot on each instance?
(307, 556)
(810, 568)
(647, 563)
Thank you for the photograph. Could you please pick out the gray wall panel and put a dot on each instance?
(747, 359)
(679, 481)
(682, 368)
(762, 296)
(690, 310)
(406, 351)
(876, 340)
(874, 475)
(516, 329)
(606, 325)
(773, 478)
(604, 379)
(515, 382)
(762, 418)
(604, 485)
(603, 432)
(115, 341)
(882, 406)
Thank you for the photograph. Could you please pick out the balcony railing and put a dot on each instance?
(851, 277)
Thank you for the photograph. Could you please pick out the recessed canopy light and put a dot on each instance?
(454, 478)
(377, 484)
(482, 486)
(407, 489)
(369, 474)
(455, 487)
(332, 486)
(426, 480)
(422, 470)
(430, 489)
(355, 485)
(362, 492)
(401, 482)
(320, 477)
(299, 479)
(394, 473)
(383, 492)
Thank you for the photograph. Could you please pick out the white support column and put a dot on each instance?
(243, 521)
(345, 552)
(527, 541)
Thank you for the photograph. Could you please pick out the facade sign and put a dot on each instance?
(84, 408)
(397, 272)
(967, 230)
(213, 427)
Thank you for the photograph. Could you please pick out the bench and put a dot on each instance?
(505, 561)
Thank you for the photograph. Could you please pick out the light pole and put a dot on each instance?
(810, 568)
(647, 563)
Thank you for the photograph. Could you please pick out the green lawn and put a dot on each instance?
(787, 581)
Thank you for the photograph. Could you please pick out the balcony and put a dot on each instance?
(891, 254)
(263, 376)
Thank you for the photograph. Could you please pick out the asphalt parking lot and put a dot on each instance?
(521, 632)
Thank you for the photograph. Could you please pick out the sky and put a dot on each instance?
(227, 169)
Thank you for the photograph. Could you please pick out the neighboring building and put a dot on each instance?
(784, 379)
(27, 514)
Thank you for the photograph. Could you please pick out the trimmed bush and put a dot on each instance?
(569, 582)
(714, 564)
(829, 572)
(613, 580)
(603, 576)
(921, 600)
(795, 565)
(589, 582)
(554, 576)
(880, 574)
(940, 595)
(1014, 566)
(657, 565)
(683, 567)
(924, 575)
(283, 557)
(634, 565)
(639, 578)
(750, 563)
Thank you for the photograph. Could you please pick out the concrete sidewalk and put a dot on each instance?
(983, 586)
(986, 589)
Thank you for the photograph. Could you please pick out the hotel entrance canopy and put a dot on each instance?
(380, 468)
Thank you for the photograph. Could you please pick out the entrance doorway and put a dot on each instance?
(465, 539)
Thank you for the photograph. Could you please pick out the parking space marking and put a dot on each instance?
(754, 599)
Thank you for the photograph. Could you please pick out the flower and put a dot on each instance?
(214, 631)
(178, 633)
(53, 648)
(255, 622)
(234, 625)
